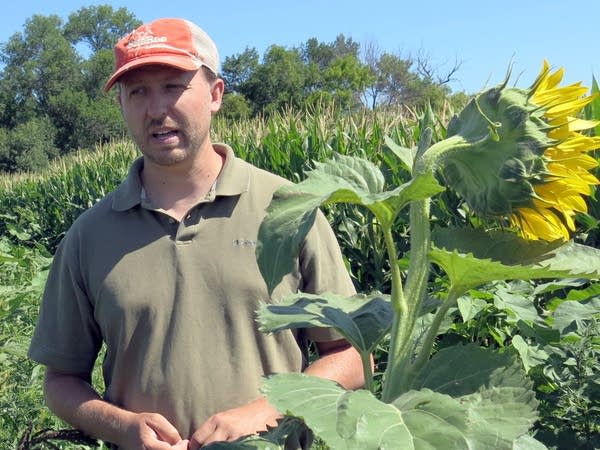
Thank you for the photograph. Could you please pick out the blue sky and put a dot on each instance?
(484, 36)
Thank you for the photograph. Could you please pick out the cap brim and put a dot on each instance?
(178, 62)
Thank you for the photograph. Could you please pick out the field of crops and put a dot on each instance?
(517, 317)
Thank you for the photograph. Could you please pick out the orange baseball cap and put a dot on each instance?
(177, 43)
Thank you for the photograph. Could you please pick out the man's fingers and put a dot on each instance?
(163, 428)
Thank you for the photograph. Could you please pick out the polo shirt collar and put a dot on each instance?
(128, 194)
(233, 180)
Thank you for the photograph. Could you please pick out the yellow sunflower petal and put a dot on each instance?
(533, 225)
(559, 95)
(563, 127)
(584, 161)
(568, 108)
(567, 203)
(580, 143)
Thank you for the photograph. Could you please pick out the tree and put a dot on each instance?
(44, 76)
(334, 72)
(276, 83)
(28, 146)
(38, 64)
(401, 81)
(99, 26)
(237, 69)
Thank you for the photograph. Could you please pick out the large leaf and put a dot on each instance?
(472, 257)
(527, 442)
(571, 311)
(422, 420)
(343, 179)
(363, 321)
(465, 369)
(531, 355)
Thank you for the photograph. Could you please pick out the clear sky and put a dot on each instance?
(484, 36)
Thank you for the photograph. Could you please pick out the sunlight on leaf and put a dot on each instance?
(416, 420)
(344, 179)
(472, 257)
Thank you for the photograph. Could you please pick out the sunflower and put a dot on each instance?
(559, 194)
(522, 155)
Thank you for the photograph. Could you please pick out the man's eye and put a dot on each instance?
(136, 91)
(176, 87)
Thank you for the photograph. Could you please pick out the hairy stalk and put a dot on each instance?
(400, 307)
(402, 329)
(367, 372)
(397, 375)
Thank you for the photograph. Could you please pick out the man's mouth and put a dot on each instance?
(165, 135)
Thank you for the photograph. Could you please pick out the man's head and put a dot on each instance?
(176, 43)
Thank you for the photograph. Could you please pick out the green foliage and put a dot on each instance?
(468, 257)
(99, 26)
(51, 96)
(417, 419)
(44, 205)
(553, 335)
(28, 146)
(22, 276)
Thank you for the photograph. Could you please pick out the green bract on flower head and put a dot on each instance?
(520, 154)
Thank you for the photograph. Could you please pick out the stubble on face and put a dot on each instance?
(170, 121)
(189, 142)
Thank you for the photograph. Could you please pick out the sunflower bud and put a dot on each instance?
(519, 153)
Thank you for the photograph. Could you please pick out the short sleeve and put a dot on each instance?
(66, 336)
(323, 270)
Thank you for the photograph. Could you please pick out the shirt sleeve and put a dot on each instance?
(323, 270)
(66, 336)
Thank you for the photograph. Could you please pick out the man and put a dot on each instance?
(163, 272)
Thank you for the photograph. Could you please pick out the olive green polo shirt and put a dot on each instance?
(175, 302)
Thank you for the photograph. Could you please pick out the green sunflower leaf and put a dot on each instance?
(472, 257)
(343, 179)
(405, 154)
(423, 419)
(363, 321)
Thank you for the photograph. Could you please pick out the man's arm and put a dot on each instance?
(337, 361)
(71, 397)
(340, 362)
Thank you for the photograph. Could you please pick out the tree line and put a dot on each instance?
(53, 72)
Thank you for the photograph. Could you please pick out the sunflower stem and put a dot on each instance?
(406, 308)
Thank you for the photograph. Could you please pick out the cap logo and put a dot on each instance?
(144, 38)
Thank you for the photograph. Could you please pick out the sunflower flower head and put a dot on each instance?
(523, 155)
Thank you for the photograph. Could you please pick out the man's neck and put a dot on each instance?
(176, 189)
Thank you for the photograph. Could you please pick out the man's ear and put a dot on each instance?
(216, 92)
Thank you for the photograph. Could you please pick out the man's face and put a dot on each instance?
(168, 111)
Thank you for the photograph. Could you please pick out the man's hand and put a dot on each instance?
(150, 431)
(72, 397)
(234, 423)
